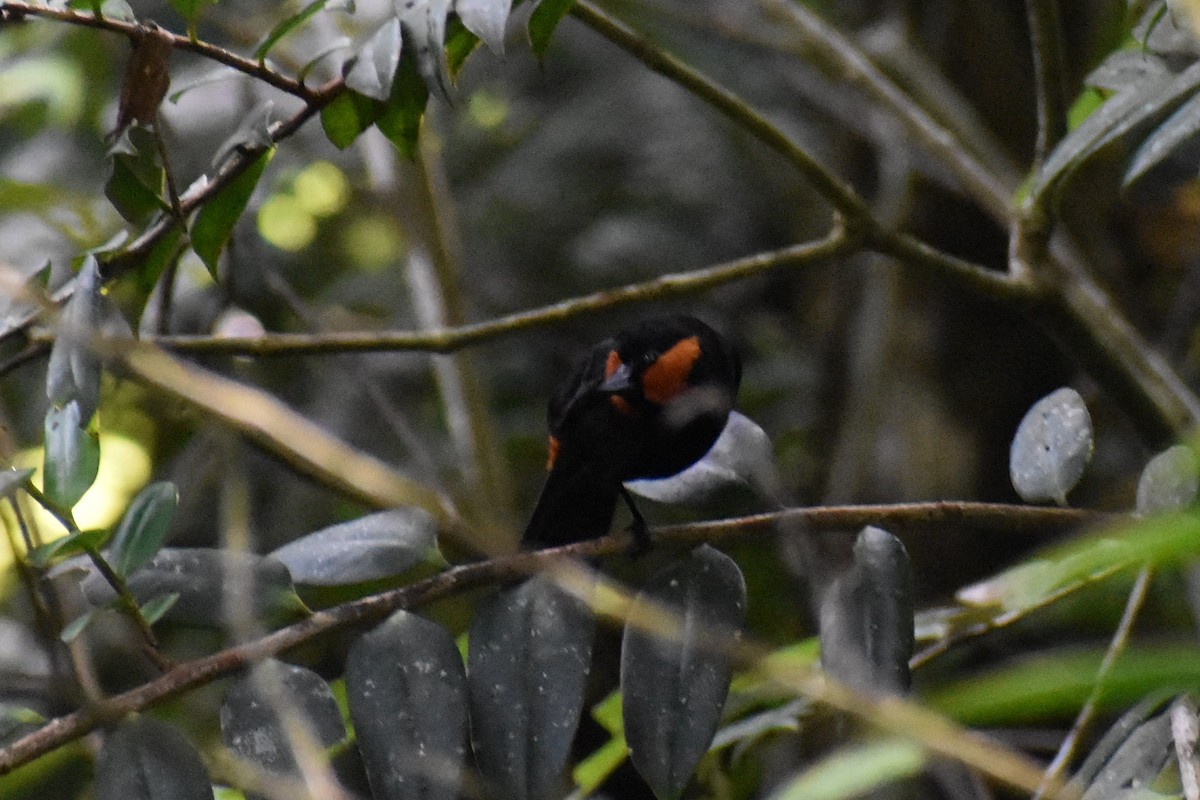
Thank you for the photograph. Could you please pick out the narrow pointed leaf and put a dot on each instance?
(216, 219)
(1169, 482)
(252, 727)
(741, 456)
(867, 617)
(286, 26)
(73, 373)
(252, 135)
(135, 185)
(72, 455)
(214, 586)
(407, 692)
(72, 629)
(70, 545)
(674, 681)
(486, 19)
(157, 608)
(381, 545)
(144, 759)
(1179, 128)
(543, 21)
(143, 528)
(374, 65)
(1051, 448)
(530, 652)
(854, 771)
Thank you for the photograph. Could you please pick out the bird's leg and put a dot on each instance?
(639, 528)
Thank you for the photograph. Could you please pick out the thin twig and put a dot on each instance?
(10, 9)
(1085, 718)
(124, 596)
(201, 671)
(447, 340)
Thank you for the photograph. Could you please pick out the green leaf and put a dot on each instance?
(72, 545)
(191, 10)
(144, 527)
(72, 629)
(13, 479)
(853, 771)
(73, 372)
(348, 115)
(460, 43)
(72, 455)
(154, 610)
(400, 121)
(543, 21)
(135, 186)
(287, 26)
(215, 221)
(425, 28)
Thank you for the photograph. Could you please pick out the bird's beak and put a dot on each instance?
(620, 381)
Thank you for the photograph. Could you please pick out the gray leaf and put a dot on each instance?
(1051, 448)
(1169, 482)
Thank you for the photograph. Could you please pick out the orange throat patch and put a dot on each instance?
(667, 377)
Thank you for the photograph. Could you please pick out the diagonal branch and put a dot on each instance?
(204, 670)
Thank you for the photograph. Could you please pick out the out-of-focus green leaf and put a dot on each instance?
(1051, 688)
(374, 66)
(156, 609)
(853, 771)
(286, 26)
(215, 221)
(71, 545)
(143, 528)
(400, 121)
(72, 629)
(460, 43)
(253, 134)
(191, 11)
(543, 21)
(72, 455)
(348, 115)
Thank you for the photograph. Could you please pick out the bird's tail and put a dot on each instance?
(576, 504)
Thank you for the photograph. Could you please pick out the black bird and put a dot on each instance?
(646, 404)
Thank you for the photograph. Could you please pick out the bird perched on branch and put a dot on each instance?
(648, 403)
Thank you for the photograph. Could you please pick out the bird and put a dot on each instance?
(646, 403)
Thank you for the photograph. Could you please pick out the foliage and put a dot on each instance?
(323, 220)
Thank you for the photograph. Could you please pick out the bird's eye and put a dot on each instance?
(651, 356)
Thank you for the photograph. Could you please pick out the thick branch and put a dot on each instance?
(201, 671)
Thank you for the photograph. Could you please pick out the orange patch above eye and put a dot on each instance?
(612, 364)
(667, 376)
(553, 454)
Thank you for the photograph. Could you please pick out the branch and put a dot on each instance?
(837, 192)
(1045, 33)
(447, 340)
(16, 9)
(204, 670)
